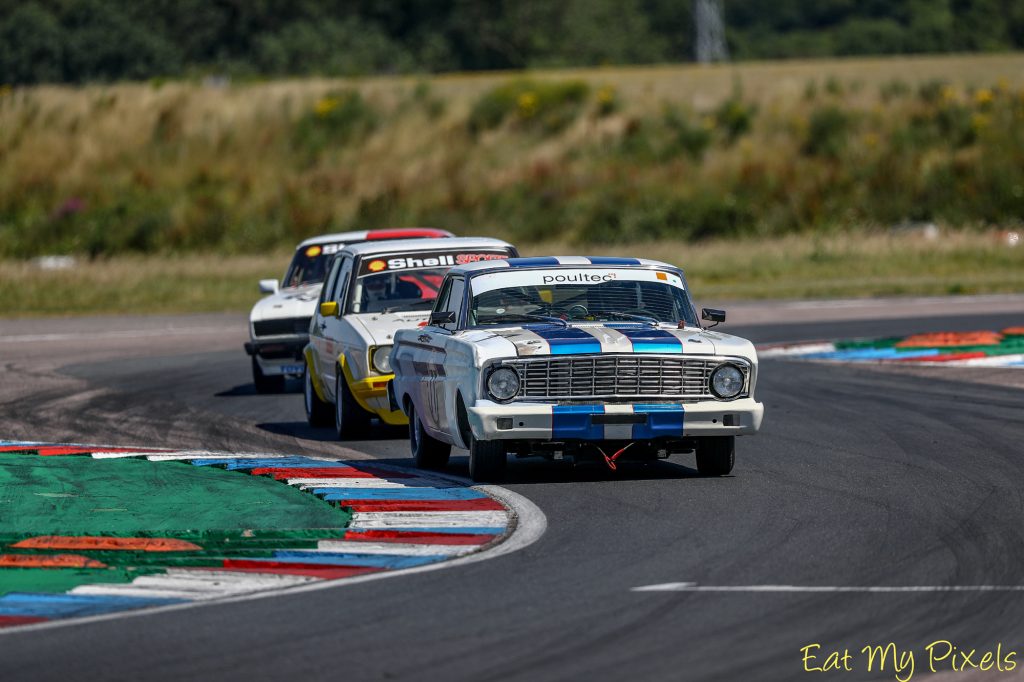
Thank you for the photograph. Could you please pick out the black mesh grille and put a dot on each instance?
(289, 326)
(614, 376)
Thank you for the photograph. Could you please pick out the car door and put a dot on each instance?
(316, 324)
(332, 327)
(441, 338)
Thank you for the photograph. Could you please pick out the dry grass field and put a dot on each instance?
(763, 179)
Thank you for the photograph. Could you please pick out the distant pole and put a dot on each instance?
(707, 16)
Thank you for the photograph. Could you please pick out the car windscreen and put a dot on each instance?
(583, 295)
(407, 281)
(311, 264)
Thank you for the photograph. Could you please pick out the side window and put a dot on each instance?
(328, 285)
(454, 303)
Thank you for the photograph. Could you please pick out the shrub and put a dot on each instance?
(689, 138)
(826, 132)
(335, 118)
(734, 117)
(549, 106)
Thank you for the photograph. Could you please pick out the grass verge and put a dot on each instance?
(838, 266)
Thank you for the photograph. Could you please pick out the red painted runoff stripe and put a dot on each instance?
(47, 450)
(284, 473)
(11, 621)
(327, 572)
(418, 537)
(480, 504)
(48, 561)
(107, 543)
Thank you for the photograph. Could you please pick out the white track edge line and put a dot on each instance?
(529, 525)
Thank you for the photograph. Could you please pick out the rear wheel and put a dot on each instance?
(716, 455)
(429, 452)
(265, 383)
(318, 413)
(487, 460)
(350, 420)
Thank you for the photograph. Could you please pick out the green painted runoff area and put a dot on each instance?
(229, 514)
(126, 497)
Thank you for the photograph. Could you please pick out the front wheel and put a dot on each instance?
(716, 455)
(486, 460)
(429, 452)
(318, 413)
(350, 420)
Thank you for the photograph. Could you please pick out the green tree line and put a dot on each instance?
(76, 41)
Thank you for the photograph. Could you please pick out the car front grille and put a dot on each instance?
(617, 376)
(282, 327)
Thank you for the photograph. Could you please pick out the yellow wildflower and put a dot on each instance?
(606, 95)
(527, 103)
(980, 122)
(983, 97)
(871, 140)
(325, 105)
(948, 94)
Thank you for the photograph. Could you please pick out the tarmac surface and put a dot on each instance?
(862, 477)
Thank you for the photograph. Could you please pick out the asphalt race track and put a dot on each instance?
(860, 477)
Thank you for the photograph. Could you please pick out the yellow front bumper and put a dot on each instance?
(375, 390)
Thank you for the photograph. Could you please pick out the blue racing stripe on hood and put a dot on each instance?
(609, 260)
(648, 340)
(568, 340)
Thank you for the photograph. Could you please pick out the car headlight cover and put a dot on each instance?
(726, 381)
(381, 359)
(503, 384)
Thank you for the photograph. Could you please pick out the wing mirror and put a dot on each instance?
(445, 317)
(712, 315)
(268, 286)
(329, 309)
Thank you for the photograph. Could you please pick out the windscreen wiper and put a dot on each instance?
(528, 316)
(653, 321)
(416, 305)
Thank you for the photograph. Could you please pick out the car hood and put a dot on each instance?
(287, 303)
(380, 328)
(616, 338)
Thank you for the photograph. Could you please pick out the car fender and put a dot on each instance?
(314, 373)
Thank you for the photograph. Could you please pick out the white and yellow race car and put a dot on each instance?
(373, 290)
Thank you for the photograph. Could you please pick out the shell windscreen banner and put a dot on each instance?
(422, 260)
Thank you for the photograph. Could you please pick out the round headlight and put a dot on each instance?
(382, 359)
(726, 381)
(503, 383)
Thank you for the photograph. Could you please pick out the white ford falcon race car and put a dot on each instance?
(573, 356)
(279, 323)
(373, 290)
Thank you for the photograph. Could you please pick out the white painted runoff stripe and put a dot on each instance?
(343, 482)
(804, 349)
(694, 587)
(428, 519)
(396, 548)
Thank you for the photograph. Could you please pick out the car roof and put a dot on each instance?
(562, 262)
(384, 234)
(407, 245)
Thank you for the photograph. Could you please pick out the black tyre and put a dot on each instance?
(318, 413)
(350, 420)
(264, 383)
(716, 455)
(429, 452)
(487, 460)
